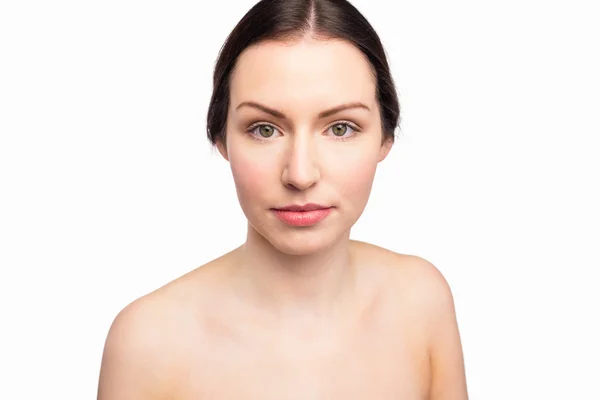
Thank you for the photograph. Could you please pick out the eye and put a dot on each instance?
(340, 130)
(262, 131)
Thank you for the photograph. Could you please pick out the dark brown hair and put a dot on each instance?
(294, 19)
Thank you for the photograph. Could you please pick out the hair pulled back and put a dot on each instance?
(296, 19)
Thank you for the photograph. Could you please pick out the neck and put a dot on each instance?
(307, 286)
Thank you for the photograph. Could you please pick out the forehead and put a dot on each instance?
(314, 73)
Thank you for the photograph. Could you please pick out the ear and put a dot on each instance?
(385, 148)
(222, 147)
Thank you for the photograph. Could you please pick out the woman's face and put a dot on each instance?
(303, 126)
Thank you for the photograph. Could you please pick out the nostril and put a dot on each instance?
(300, 177)
(300, 185)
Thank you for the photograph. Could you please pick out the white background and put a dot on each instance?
(109, 188)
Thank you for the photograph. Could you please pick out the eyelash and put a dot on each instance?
(349, 124)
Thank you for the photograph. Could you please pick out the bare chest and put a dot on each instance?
(376, 364)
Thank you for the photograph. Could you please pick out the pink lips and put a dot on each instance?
(308, 214)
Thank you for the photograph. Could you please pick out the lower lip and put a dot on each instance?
(302, 218)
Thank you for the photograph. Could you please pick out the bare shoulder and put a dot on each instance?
(408, 275)
(131, 362)
(421, 287)
(151, 337)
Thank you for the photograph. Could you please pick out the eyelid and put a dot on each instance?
(352, 125)
(257, 124)
(355, 128)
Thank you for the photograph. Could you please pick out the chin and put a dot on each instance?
(299, 241)
(296, 246)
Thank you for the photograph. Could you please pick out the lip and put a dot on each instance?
(305, 207)
(305, 215)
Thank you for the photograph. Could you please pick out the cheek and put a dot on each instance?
(358, 182)
(252, 177)
(353, 175)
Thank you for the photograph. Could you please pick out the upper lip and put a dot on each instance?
(305, 207)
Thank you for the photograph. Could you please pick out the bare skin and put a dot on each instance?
(393, 337)
(295, 312)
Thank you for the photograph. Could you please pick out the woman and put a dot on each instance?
(304, 108)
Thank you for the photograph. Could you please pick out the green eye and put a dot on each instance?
(339, 129)
(265, 131)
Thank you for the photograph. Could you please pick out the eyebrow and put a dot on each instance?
(322, 114)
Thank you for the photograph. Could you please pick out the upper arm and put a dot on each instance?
(131, 367)
(447, 370)
(448, 379)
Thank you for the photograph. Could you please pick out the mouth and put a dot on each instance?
(306, 207)
(302, 215)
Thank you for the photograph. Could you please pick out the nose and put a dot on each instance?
(301, 170)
